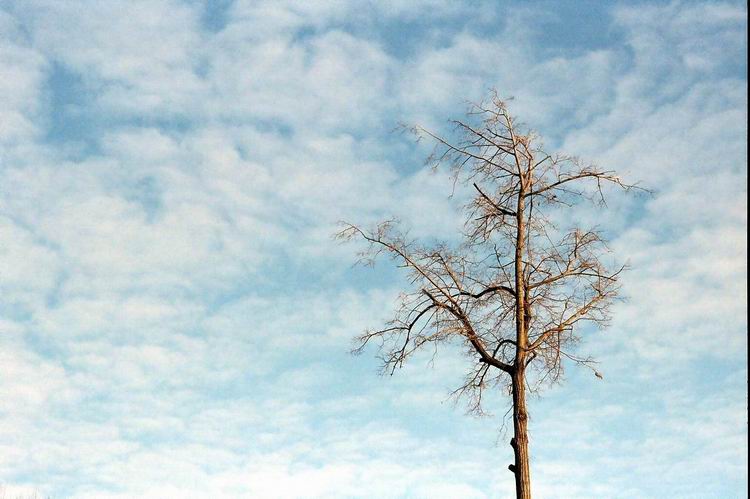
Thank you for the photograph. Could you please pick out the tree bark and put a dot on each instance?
(520, 416)
(520, 440)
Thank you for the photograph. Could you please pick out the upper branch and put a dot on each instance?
(489, 290)
(569, 321)
(562, 179)
(500, 209)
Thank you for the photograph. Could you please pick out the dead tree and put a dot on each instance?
(519, 285)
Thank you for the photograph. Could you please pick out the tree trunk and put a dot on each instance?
(520, 440)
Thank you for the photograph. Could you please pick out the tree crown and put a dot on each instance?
(518, 287)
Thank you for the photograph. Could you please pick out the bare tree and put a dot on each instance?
(516, 289)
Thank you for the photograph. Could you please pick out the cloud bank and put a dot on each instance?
(175, 317)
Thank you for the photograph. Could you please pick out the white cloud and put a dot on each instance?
(174, 318)
(21, 85)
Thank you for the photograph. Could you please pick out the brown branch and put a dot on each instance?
(499, 208)
(484, 356)
(608, 176)
(575, 317)
(463, 151)
(486, 291)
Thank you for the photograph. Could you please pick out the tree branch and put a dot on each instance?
(475, 341)
(499, 208)
(575, 317)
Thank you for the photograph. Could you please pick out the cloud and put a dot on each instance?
(176, 316)
(24, 69)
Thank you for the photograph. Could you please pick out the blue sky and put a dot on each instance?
(175, 317)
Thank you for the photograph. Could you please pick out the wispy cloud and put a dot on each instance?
(175, 316)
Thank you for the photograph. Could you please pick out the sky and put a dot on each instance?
(176, 318)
